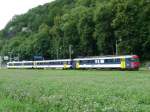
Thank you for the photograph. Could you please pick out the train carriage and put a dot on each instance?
(115, 62)
(60, 64)
(20, 64)
(120, 62)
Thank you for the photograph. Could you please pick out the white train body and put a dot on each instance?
(121, 62)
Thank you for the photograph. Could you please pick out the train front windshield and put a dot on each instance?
(135, 59)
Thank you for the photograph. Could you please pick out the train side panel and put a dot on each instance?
(116, 62)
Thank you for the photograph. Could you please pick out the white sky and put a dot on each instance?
(9, 8)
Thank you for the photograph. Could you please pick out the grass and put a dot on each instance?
(74, 91)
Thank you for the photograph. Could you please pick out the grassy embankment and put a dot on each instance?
(74, 91)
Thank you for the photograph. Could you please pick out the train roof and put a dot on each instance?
(76, 59)
(104, 57)
(40, 61)
(21, 62)
(54, 60)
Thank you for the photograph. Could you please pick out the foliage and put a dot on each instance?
(91, 27)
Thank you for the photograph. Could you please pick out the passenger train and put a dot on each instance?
(113, 62)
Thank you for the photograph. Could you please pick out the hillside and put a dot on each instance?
(91, 27)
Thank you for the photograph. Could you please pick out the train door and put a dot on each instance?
(77, 64)
(73, 64)
(128, 63)
(34, 64)
(65, 65)
(123, 63)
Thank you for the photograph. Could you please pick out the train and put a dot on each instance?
(100, 62)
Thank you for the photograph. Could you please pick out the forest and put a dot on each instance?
(89, 27)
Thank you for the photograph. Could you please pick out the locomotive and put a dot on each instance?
(100, 62)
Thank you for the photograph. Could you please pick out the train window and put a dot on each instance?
(45, 63)
(69, 63)
(86, 62)
(40, 63)
(112, 61)
(27, 64)
(99, 61)
(109, 61)
(135, 59)
(54, 63)
(96, 61)
(128, 59)
(57, 63)
(82, 62)
(10, 64)
(91, 61)
(49, 63)
(102, 61)
(61, 63)
(17, 64)
(117, 60)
